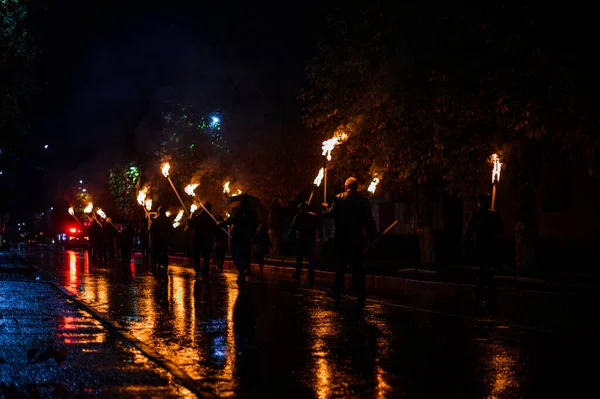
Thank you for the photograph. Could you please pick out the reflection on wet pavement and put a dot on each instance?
(275, 339)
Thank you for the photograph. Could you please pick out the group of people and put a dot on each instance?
(246, 231)
(106, 242)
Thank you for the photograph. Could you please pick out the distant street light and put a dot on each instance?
(215, 119)
(46, 147)
(80, 181)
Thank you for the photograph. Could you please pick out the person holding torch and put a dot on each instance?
(480, 240)
(355, 227)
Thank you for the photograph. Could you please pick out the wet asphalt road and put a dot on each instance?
(279, 339)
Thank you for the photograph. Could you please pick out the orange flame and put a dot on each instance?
(189, 189)
(89, 208)
(329, 145)
(495, 160)
(142, 196)
(148, 204)
(226, 188)
(165, 169)
(71, 211)
(319, 177)
(373, 185)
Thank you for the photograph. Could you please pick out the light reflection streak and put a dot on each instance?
(176, 301)
(232, 294)
(502, 364)
(86, 263)
(321, 330)
(72, 269)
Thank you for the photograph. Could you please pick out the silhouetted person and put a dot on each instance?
(129, 236)
(354, 228)
(145, 240)
(96, 235)
(480, 238)
(306, 228)
(262, 246)
(221, 245)
(203, 237)
(110, 235)
(159, 236)
(244, 224)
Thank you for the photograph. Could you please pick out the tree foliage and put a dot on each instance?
(431, 94)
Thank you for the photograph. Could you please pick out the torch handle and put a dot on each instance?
(178, 196)
(384, 233)
(311, 195)
(493, 204)
(75, 217)
(213, 218)
(325, 185)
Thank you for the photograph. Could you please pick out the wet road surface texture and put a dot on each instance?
(277, 338)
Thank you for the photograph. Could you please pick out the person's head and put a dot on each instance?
(351, 184)
(161, 211)
(303, 207)
(220, 218)
(484, 200)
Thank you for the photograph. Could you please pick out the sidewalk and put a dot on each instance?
(49, 347)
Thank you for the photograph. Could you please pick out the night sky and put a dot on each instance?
(110, 69)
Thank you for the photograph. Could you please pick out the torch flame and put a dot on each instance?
(168, 214)
(193, 208)
(71, 211)
(165, 169)
(189, 189)
(179, 216)
(497, 168)
(373, 185)
(89, 208)
(226, 189)
(101, 213)
(238, 192)
(175, 225)
(227, 214)
(148, 204)
(329, 145)
(319, 177)
(142, 196)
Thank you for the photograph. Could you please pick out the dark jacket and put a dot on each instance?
(204, 227)
(244, 222)
(306, 226)
(160, 231)
(482, 229)
(354, 221)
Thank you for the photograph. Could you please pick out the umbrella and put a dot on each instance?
(254, 203)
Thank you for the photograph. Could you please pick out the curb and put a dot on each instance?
(404, 284)
(29, 267)
(150, 353)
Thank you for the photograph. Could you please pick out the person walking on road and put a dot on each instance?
(159, 236)
(244, 224)
(480, 239)
(129, 235)
(111, 234)
(203, 237)
(355, 227)
(221, 245)
(307, 229)
(262, 246)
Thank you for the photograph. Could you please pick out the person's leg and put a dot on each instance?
(310, 255)
(299, 259)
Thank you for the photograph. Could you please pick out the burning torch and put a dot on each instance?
(165, 171)
(89, 209)
(101, 213)
(328, 146)
(72, 213)
(373, 185)
(317, 182)
(189, 190)
(497, 167)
